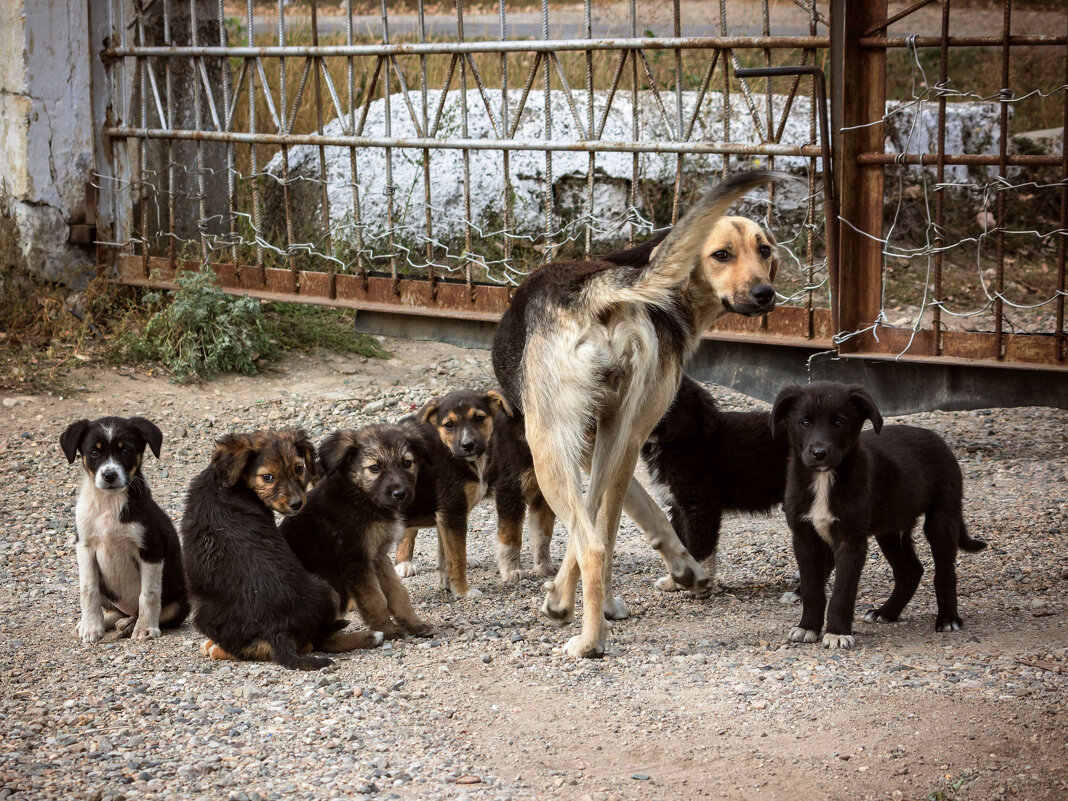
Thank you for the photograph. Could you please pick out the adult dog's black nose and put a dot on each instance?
(819, 454)
(763, 294)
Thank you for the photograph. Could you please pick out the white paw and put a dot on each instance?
(471, 594)
(666, 584)
(577, 650)
(89, 630)
(378, 637)
(873, 616)
(790, 598)
(406, 569)
(615, 609)
(844, 641)
(798, 634)
(146, 632)
(511, 575)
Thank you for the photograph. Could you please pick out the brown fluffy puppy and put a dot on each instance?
(355, 516)
(251, 596)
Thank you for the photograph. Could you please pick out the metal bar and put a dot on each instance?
(325, 195)
(677, 189)
(492, 46)
(506, 155)
(142, 85)
(1003, 149)
(168, 84)
(1062, 243)
(634, 116)
(940, 177)
(391, 232)
(202, 198)
(969, 159)
(587, 32)
(231, 181)
(964, 41)
(465, 153)
(427, 216)
(547, 180)
(253, 160)
(361, 262)
(283, 128)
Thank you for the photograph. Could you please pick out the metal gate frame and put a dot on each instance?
(946, 369)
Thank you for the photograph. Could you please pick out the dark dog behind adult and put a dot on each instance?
(706, 462)
(843, 486)
(353, 518)
(251, 596)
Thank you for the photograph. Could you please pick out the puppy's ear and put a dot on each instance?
(337, 449)
(775, 256)
(786, 398)
(419, 450)
(70, 438)
(498, 403)
(231, 457)
(150, 431)
(307, 452)
(429, 412)
(866, 404)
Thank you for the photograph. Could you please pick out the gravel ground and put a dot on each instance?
(696, 698)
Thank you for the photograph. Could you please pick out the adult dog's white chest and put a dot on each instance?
(819, 514)
(113, 544)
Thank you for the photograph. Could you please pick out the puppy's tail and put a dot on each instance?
(967, 542)
(284, 652)
(674, 260)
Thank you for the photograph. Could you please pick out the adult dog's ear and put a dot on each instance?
(429, 412)
(70, 438)
(307, 452)
(497, 402)
(784, 401)
(150, 431)
(864, 401)
(337, 449)
(231, 457)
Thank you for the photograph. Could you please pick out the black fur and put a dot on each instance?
(713, 462)
(884, 479)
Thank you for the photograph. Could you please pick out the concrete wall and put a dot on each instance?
(46, 134)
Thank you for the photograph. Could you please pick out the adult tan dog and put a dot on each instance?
(592, 354)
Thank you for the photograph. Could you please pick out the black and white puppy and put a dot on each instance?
(129, 558)
(843, 486)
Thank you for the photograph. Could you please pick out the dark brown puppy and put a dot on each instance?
(843, 486)
(705, 462)
(455, 431)
(251, 596)
(355, 516)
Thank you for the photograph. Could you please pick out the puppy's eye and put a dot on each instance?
(299, 469)
(266, 478)
(448, 425)
(374, 469)
(805, 423)
(721, 255)
(479, 418)
(765, 251)
(838, 422)
(93, 453)
(127, 451)
(406, 463)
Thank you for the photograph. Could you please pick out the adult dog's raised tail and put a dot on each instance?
(674, 260)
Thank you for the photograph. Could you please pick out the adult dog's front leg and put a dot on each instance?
(148, 603)
(90, 627)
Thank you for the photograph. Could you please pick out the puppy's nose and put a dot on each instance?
(819, 454)
(296, 504)
(110, 475)
(467, 445)
(399, 493)
(763, 294)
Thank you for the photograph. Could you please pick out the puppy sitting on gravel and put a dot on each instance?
(843, 486)
(251, 596)
(355, 516)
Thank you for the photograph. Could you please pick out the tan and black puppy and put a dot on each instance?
(355, 516)
(251, 596)
(455, 430)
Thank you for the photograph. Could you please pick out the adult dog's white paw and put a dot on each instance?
(615, 609)
(790, 598)
(471, 594)
(798, 634)
(666, 584)
(844, 641)
(146, 632)
(511, 575)
(406, 569)
(576, 649)
(89, 630)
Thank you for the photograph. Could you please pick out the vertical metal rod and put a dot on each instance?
(172, 248)
(677, 191)
(591, 164)
(810, 255)
(202, 209)
(726, 88)
(319, 65)
(284, 125)
(427, 214)
(1062, 245)
(635, 110)
(771, 128)
(231, 183)
(390, 189)
(143, 64)
(1003, 149)
(254, 176)
(940, 174)
(465, 154)
(547, 191)
(361, 262)
(505, 154)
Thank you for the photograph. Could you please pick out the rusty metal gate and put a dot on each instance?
(420, 164)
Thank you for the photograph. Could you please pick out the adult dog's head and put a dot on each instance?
(381, 459)
(111, 448)
(464, 420)
(823, 421)
(278, 466)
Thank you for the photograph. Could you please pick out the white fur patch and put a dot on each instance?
(406, 569)
(843, 641)
(798, 634)
(820, 514)
(113, 545)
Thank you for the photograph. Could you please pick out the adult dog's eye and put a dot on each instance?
(806, 423)
(266, 478)
(374, 469)
(765, 251)
(721, 255)
(406, 463)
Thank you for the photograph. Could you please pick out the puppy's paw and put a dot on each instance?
(615, 609)
(89, 630)
(876, 616)
(419, 628)
(546, 569)
(125, 625)
(213, 650)
(406, 569)
(843, 641)
(798, 634)
(666, 584)
(145, 632)
(377, 637)
(576, 649)
(948, 623)
(790, 598)
(470, 595)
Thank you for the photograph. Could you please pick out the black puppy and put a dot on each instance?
(129, 558)
(843, 486)
(705, 462)
(251, 596)
(355, 516)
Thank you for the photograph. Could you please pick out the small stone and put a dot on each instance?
(642, 777)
